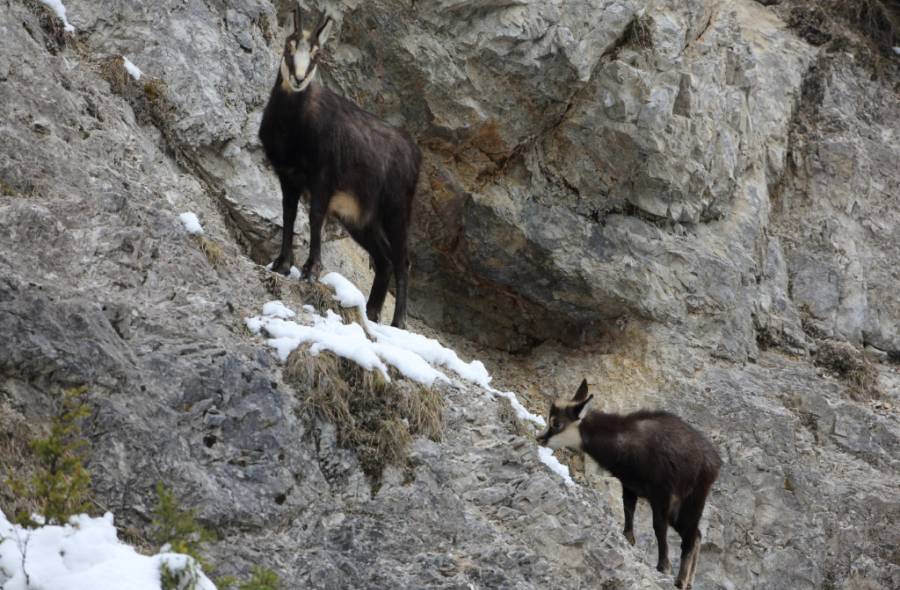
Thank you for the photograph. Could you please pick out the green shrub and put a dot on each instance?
(178, 528)
(184, 578)
(262, 579)
(60, 485)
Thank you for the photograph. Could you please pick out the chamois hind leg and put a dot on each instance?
(660, 508)
(375, 243)
(629, 501)
(397, 231)
(688, 526)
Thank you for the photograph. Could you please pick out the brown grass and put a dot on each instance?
(214, 253)
(851, 366)
(7, 190)
(374, 417)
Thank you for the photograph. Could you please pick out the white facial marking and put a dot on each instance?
(569, 438)
(301, 61)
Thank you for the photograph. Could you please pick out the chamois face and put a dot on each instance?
(301, 53)
(563, 421)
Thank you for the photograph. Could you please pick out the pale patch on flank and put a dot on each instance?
(569, 438)
(345, 206)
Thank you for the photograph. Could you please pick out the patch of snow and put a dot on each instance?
(345, 292)
(132, 69)
(191, 223)
(277, 309)
(60, 10)
(432, 351)
(411, 365)
(415, 356)
(327, 333)
(897, 50)
(547, 458)
(254, 324)
(84, 554)
(293, 274)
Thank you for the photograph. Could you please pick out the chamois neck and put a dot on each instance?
(280, 93)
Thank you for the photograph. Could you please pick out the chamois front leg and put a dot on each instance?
(289, 199)
(313, 265)
(629, 501)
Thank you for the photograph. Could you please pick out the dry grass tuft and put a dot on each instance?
(7, 190)
(851, 366)
(321, 297)
(214, 253)
(316, 294)
(271, 282)
(374, 417)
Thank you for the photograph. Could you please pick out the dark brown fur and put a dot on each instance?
(323, 144)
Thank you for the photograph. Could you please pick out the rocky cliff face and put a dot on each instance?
(687, 202)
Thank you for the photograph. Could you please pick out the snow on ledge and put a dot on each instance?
(521, 411)
(132, 69)
(376, 346)
(60, 10)
(415, 356)
(345, 292)
(191, 223)
(545, 454)
(84, 554)
(277, 309)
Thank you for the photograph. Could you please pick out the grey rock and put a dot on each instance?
(695, 172)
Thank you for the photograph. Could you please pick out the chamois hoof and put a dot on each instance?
(282, 266)
(311, 271)
(682, 585)
(664, 567)
(629, 536)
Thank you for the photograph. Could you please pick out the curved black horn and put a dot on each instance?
(298, 20)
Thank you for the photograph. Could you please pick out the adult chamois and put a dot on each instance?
(655, 455)
(354, 167)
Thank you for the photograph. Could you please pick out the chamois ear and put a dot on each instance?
(298, 20)
(582, 391)
(324, 30)
(578, 409)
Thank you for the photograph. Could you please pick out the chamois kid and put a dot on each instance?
(655, 455)
(354, 167)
